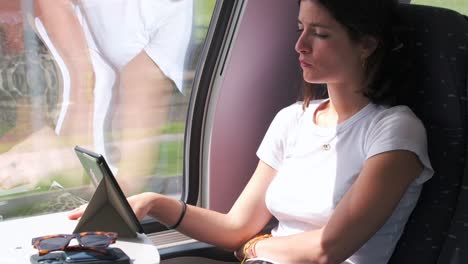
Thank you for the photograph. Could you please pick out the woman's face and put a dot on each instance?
(326, 52)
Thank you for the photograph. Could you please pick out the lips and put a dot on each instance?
(304, 64)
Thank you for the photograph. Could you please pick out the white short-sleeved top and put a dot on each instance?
(118, 30)
(316, 166)
(122, 29)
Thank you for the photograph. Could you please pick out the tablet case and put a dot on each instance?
(108, 209)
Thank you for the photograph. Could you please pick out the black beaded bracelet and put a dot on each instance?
(184, 209)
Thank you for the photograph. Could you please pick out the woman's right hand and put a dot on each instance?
(77, 212)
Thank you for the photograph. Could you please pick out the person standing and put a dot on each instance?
(120, 62)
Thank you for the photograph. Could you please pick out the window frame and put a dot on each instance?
(212, 58)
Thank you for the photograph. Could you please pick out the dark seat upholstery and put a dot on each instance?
(436, 40)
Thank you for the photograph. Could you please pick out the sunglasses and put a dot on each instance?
(94, 241)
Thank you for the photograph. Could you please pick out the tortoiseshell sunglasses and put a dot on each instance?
(95, 241)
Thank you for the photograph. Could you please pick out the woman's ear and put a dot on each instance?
(368, 46)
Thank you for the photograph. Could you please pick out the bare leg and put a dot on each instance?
(143, 104)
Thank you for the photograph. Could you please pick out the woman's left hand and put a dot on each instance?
(142, 203)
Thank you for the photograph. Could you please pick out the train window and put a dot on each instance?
(112, 76)
(457, 5)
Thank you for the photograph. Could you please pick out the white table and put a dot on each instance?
(16, 235)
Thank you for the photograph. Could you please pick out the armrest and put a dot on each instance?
(198, 249)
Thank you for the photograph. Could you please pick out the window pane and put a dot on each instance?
(457, 5)
(113, 76)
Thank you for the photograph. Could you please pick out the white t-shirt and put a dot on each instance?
(316, 166)
(123, 28)
(118, 30)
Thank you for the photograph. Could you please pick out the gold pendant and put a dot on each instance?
(326, 147)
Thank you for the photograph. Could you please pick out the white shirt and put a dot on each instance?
(118, 30)
(316, 166)
(121, 29)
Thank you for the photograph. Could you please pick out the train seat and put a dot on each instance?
(436, 41)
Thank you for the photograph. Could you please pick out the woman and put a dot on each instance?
(341, 174)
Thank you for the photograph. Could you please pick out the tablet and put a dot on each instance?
(108, 209)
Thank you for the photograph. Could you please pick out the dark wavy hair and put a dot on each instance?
(384, 68)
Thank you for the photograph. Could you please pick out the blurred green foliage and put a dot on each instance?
(457, 5)
(203, 12)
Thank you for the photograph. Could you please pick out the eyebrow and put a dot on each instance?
(314, 24)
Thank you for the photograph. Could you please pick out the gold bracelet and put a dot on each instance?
(249, 247)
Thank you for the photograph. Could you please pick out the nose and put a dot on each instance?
(302, 45)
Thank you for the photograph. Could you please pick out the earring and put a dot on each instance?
(364, 63)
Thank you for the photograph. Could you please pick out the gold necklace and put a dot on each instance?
(319, 115)
(327, 145)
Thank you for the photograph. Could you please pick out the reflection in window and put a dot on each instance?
(113, 76)
(457, 5)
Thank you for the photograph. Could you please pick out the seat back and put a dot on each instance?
(436, 40)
